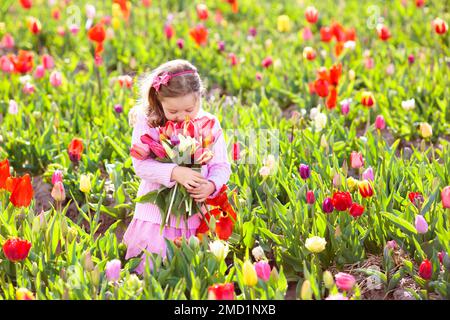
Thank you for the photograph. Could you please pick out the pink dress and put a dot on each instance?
(144, 229)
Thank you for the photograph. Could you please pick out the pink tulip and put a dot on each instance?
(140, 151)
(390, 69)
(368, 174)
(356, 160)
(58, 192)
(40, 72)
(61, 31)
(369, 63)
(90, 11)
(155, 147)
(345, 281)
(112, 270)
(74, 29)
(380, 124)
(48, 61)
(7, 41)
(55, 78)
(258, 76)
(310, 198)
(445, 196)
(6, 64)
(13, 108)
(180, 43)
(421, 224)
(28, 88)
(57, 176)
(307, 34)
(267, 62)
(392, 244)
(262, 269)
(345, 106)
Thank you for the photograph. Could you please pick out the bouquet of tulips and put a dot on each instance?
(188, 143)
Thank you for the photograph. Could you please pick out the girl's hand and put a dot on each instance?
(187, 177)
(201, 193)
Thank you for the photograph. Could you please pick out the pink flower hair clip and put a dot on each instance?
(165, 77)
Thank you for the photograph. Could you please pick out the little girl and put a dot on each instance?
(172, 92)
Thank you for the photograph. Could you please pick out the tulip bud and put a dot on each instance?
(304, 171)
(95, 276)
(327, 205)
(368, 174)
(426, 269)
(55, 78)
(180, 43)
(249, 274)
(328, 279)
(356, 160)
(34, 268)
(262, 269)
(310, 198)
(306, 292)
(352, 184)
(112, 270)
(274, 274)
(86, 261)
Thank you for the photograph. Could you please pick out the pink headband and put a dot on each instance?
(165, 77)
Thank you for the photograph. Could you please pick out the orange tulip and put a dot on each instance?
(23, 63)
(335, 73)
(331, 101)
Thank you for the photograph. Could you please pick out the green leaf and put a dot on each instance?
(400, 222)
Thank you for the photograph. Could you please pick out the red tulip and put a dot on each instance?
(321, 88)
(326, 34)
(332, 98)
(383, 32)
(338, 31)
(342, 200)
(21, 190)
(23, 63)
(322, 73)
(236, 151)
(202, 11)
(221, 292)
(416, 198)
(75, 149)
(311, 14)
(26, 4)
(4, 173)
(440, 26)
(350, 34)
(420, 3)
(35, 26)
(356, 210)
(426, 269)
(16, 249)
(224, 227)
(335, 73)
(199, 34)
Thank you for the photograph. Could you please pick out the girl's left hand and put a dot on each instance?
(202, 192)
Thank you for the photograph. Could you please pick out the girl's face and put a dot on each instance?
(178, 108)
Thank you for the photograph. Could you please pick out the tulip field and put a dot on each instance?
(336, 116)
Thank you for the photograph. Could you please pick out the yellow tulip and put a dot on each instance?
(116, 11)
(306, 292)
(352, 184)
(315, 244)
(85, 183)
(249, 273)
(328, 279)
(24, 294)
(116, 22)
(284, 23)
(425, 130)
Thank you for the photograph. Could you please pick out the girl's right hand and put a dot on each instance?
(187, 177)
